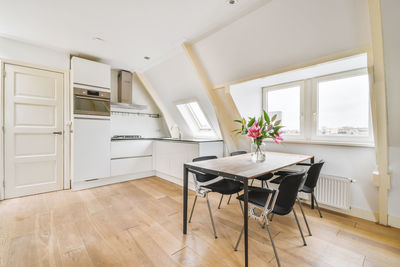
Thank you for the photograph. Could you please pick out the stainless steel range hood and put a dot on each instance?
(125, 79)
(125, 87)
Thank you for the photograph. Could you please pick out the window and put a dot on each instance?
(285, 101)
(195, 119)
(329, 102)
(341, 106)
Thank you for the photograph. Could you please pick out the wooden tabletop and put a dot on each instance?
(243, 166)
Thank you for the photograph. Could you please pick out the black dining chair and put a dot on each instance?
(206, 183)
(275, 201)
(311, 181)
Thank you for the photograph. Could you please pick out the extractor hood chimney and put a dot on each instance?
(125, 101)
(125, 87)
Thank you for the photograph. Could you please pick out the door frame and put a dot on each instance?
(67, 121)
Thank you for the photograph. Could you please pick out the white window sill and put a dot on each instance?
(327, 143)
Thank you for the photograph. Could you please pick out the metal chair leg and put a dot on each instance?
(219, 205)
(211, 217)
(319, 211)
(229, 200)
(304, 216)
(298, 225)
(272, 216)
(240, 202)
(240, 237)
(273, 244)
(194, 204)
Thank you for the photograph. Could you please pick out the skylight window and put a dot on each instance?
(196, 119)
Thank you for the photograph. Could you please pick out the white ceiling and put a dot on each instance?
(131, 29)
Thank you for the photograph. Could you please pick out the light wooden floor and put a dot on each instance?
(139, 223)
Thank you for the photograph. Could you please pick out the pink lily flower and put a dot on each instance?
(278, 138)
(254, 130)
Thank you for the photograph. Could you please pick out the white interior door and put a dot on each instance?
(33, 120)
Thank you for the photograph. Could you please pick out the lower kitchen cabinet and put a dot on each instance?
(131, 165)
(169, 157)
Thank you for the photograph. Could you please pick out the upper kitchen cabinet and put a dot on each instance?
(90, 73)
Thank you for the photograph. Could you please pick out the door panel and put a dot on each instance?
(34, 115)
(28, 173)
(33, 109)
(35, 144)
(34, 86)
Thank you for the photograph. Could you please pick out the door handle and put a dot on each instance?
(59, 133)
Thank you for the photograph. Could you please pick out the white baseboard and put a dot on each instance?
(394, 221)
(110, 180)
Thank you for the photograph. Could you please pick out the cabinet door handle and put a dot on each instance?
(59, 133)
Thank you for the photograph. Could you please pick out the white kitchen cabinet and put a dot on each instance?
(170, 156)
(131, 157)
(90, 73)
(131, 148)
(211, 148)
(91, 149)
(131, 165)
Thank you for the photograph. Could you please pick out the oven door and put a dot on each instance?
(87, 105)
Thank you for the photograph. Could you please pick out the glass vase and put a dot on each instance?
(258, 152)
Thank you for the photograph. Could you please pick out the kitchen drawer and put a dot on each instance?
(131, 148)
(131, 165)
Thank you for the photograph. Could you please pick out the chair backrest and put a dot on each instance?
(240, 152)
(202, 177)
(313, 174)
(288, 189)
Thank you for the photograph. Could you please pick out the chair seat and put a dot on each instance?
(282, 175)
(225, 187)
(265, 177)
(259, 196)
(277, 180)
(307, 189)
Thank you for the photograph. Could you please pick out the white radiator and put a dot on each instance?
(332, 191)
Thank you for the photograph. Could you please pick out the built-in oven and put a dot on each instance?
(91, 102)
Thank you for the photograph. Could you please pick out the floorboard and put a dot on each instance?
(139, 223)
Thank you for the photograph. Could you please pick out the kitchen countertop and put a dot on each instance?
(168, 139)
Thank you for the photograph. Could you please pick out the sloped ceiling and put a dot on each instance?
(282, 34)
(175, 80)
(131, 29)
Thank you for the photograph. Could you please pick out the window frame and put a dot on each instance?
(314, 137)
(302, 120)
(196, 118)
(199, 132)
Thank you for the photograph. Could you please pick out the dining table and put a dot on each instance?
(239, 168)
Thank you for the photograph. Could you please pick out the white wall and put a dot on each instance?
(175, 80)
(247, 98)
(32, 54)
(283, 33)
(391, 41)
(129, 124)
